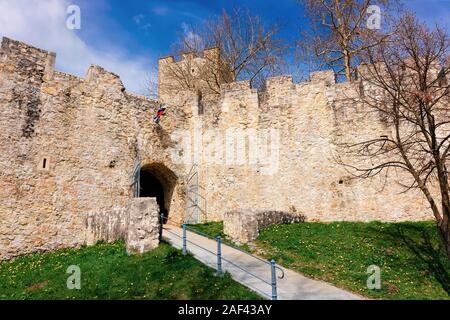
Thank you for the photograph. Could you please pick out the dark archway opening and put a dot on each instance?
(156, 181)
(151, 187)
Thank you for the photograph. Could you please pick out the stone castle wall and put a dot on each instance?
(294, 130)
(90, 132)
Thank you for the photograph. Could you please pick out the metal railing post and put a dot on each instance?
(219, 255)
(184, 239)
(274, 280)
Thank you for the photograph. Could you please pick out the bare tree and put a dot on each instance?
(406, 81)
(247, 50)
(340, 33)
(149, 87)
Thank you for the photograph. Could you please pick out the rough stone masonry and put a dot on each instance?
(70, 148)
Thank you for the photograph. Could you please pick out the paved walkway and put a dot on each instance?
(293, 286)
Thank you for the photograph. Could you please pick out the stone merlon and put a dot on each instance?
(24, 56)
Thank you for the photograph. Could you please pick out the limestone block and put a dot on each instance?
(240, 226)
(243, 226)
(143, 229)
(323, 76)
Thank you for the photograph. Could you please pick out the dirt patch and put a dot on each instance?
(37, 286)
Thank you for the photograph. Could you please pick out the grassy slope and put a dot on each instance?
(108, 273)
(412, 260)
(215, 229)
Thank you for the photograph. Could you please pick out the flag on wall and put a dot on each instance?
(161, 112)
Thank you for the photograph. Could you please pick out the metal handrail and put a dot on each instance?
(219, 256)
(245, 270)
(282, 272)
(200, 233)
(174, 234)
(237, 248)
(207, 250)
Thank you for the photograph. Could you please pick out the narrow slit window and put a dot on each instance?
(44, 164)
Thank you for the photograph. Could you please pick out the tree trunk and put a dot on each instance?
(347, 64)
(445, 233)
(444, 227)
(444, 224)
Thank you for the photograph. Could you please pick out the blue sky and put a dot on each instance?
(127, 37)
(152, 25)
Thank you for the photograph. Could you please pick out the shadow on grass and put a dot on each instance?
(422, 247)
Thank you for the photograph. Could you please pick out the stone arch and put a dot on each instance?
(158, 181)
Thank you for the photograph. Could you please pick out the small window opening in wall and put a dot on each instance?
(44, 164)
(341, 181)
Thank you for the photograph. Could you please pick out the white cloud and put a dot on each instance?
(160, 10)
(138, 18)
(192, 39)
(147, 26)
(43, 24)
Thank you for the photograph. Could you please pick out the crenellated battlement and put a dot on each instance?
(39, 65)
(235, 86)
(211, 53)
(282, 91)
(280, 81)
(278, 91)
(101, 78)
(171, 86)
(19, 50)
(201, 72)
(26, 58)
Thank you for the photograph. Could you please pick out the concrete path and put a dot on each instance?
(293, 286)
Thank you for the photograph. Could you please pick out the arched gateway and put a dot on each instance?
(157, 181)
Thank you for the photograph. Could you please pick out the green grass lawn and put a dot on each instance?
(411, 257)
(214, 229)
(107, 272)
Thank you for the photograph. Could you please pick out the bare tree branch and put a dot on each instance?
(339, 33)
(405, 80)
(248, 50)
